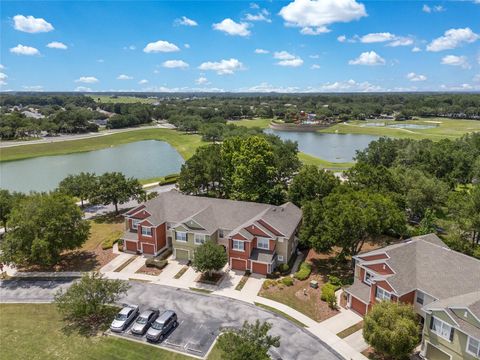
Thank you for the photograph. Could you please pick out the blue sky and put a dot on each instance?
(287, 46)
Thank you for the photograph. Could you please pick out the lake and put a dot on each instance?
(331, 147)
(141, 159)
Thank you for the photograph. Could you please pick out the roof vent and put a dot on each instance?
(384, 267)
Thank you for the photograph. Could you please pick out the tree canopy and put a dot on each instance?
(251, 342)
(209, 257)
(252, 168)
(391, 329)
(42, 227)
(82, 186)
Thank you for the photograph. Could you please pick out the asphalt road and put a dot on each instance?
(206, 313)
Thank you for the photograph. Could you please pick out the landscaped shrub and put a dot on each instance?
(304, 272)
(268, 283)
(169, 179)
(156, 263)
(328, 295)
(273, 275)
(120, 245)
(335, 281)
(283, 268)
(164, 255)
(288, 281)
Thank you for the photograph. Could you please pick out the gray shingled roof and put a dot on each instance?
(471, 301)
(174, 207)
(261, 255)
(360, 291)
(426, 263)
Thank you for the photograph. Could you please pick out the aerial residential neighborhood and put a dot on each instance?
(240, 180)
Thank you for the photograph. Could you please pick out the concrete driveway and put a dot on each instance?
(206, 313)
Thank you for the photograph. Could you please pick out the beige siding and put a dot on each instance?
(456, 348)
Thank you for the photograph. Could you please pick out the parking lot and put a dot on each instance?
(188, 337)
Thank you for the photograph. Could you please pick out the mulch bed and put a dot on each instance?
(149, 271)
(215, 279)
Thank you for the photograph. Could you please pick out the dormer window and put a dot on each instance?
(135, 223)
(263, 243)
(368, 278)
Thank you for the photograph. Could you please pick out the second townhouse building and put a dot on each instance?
(257, 237)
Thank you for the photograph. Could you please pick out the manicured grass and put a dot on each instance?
(35, 332)
(203, 291)
(350, 330)
(181, 272)
(447, 128)
(125, 264)
(185, 144)
(242, 282)
(249, 123)
(281, 313)
(101, 232)
(324, 164)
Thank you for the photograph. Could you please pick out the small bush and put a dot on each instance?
(283, 268)
(273, 275)
(164, 255)
(304, 272)
(268, 283)
(169, 179)
(288, 281)
(171, 176)
(156, 263)
(120, 245)
(335, 281)
(328, 295)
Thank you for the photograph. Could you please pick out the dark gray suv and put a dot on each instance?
(160, 327)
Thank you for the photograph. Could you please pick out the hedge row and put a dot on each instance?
(304, 271)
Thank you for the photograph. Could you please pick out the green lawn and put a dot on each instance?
(324, 164)
(35, 332)
(447, 128)
(184, 143)
(249, 123)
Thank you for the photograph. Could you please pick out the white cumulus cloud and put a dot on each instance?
(314, 16)
(430, 9)
(175, 64)
(455, 60)
(31, 24)
(233, 28)
(262, 15)
(160, 46)
(315, 67)
(452, 39)
(287, 59)
(370, 58)
(87, 79)
(401, 41)
(348, 86)
(202, 80)
(3, 78)
(377, 37)
(24, 50)
(416, 49)
(143, 82)
(416, 77)
(261, 51)
(57, 45)
(185, 21)
(342, 38)
(222, 67)
(124, 77)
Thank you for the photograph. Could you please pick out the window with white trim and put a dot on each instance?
(473, 347)
(238, 245)
(382, 294)
(441, 328)
(263, 243)
(199, 239)
(280, 257)
(135, 223)
(368, 278)
(181, 236)
(146, 231)
(420, 297)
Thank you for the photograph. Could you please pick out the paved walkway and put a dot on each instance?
(115, 263)
(357, 341)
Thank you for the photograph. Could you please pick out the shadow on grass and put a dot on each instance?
(109, 218)
(334, 267)
(89, 326)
